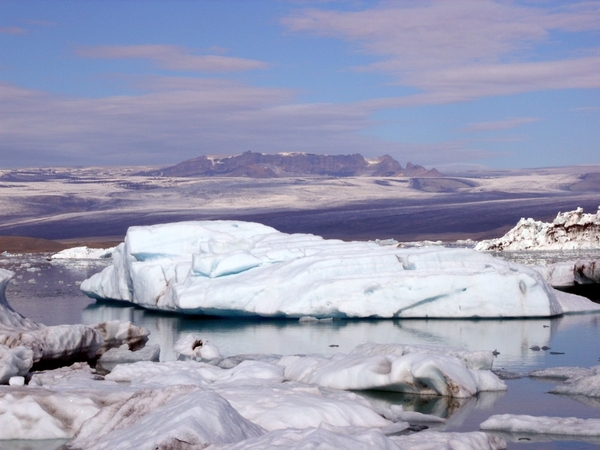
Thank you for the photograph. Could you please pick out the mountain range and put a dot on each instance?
(261, 165)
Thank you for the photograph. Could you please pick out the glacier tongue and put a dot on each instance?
(233, 268)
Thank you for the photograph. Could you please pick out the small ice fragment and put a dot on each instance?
(16, 381)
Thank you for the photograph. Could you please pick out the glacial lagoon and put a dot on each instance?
(48, 292)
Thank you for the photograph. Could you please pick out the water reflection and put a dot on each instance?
(512, 338)
(454, 410)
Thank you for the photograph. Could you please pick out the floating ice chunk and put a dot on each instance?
(588, 386)
(114, 333)
(564, 373)
(232, 268)
(570, 426)
(192, 347)
(122, 355)
(417, 373)
(572, 304)
(16, 381)
(84, 253)
(577, 380)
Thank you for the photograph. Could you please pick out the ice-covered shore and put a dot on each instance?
(233, 268)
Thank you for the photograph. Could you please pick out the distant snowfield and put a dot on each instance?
(55, 203)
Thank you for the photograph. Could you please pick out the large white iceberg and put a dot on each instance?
(232, 268)
(573, 230)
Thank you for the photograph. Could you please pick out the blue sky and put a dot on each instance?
(447, 84)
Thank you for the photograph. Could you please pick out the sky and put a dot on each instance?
(451, 84)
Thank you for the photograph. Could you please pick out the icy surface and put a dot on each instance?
(543, 425)
(569, 230)
(123, 355)
(570, 273)
(84, 253)
(45, 343)
(412, 373)
(234, 268)
(192, 347)
(24, 342)
(361, 439)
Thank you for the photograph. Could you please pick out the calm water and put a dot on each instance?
(48, 292)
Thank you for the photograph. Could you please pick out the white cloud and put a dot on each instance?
(463, 49)
(181, 118)
(12, 30)
(506, 124)
(172, 57)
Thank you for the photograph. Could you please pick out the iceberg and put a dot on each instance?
(83, 253)
(573, 230)
(233, 268)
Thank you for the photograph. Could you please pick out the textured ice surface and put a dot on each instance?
(24, 342)
(84, 253)
(571, 426)
(569, 230)
(412, 373)
(234, 268)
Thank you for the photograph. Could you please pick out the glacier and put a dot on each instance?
(236, 268)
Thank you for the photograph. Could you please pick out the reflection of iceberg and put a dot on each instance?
(512, 338)
(229, 268)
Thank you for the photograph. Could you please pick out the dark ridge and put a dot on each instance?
(259, 165)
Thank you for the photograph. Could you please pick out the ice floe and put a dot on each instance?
(577, 381)
(233, 268)
(569, 230)
(570, 426)
(84, 253)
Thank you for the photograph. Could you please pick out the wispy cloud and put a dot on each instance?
(179, 118)
(172, 57)
(464, 49)
(586, 109)
(12, 30)
(506, 124)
